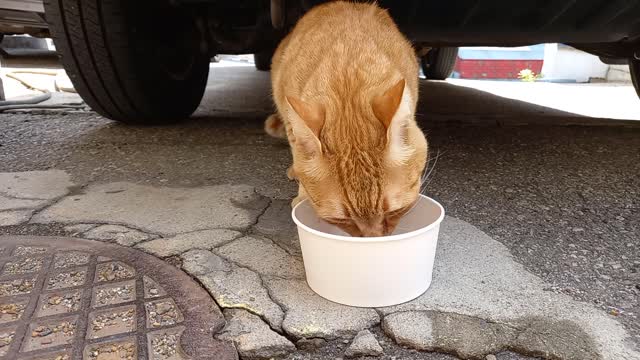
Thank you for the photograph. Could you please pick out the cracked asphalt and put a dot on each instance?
(559, 190)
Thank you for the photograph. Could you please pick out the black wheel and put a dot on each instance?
(634, 67)
(124, 64)
(438, 63)
(263, 60)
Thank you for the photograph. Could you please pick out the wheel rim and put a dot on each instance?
(177, 62)
(429, 59)
(178, 50)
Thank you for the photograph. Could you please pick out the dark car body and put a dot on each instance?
(128, 34)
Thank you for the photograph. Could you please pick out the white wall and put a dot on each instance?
(619, 73)
(566, 63)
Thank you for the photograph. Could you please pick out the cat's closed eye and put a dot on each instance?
(393, 217)
(338, 221)
(399, 212)
(389, 215)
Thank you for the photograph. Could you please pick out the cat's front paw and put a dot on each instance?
(274, 126)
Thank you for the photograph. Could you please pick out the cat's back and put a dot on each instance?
(341, 21)
(339, 39)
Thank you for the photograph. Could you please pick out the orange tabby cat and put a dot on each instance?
(345, 83)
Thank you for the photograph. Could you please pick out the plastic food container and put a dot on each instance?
(374, 271)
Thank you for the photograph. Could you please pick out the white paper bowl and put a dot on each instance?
(374, 271)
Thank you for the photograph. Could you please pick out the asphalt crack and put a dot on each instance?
(8, 196)
(71, 191)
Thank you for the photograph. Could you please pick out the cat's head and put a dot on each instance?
(360, 163)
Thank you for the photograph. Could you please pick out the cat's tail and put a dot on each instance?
(274, 126)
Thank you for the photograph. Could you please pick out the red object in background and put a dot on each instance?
(494, 69)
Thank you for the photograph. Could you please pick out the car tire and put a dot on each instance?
(634, 69)
(262, 60)
(123, 65)
(438, 64)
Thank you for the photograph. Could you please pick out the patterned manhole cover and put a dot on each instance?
(64, 299)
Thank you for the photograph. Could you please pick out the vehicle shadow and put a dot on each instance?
(225, 139)
(243, 91)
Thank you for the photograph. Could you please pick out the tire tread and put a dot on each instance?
(442, 65)
(110, 70)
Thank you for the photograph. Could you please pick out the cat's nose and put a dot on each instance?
(372, 227)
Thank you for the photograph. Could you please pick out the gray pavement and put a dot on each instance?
(540, 253)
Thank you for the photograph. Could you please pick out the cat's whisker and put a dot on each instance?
(424, 175)
(427, 178)
(412, 207)
(427, 183)
(433, 158)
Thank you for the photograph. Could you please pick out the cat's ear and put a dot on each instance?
(393, 109)
(307, 120)
(386, 105)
